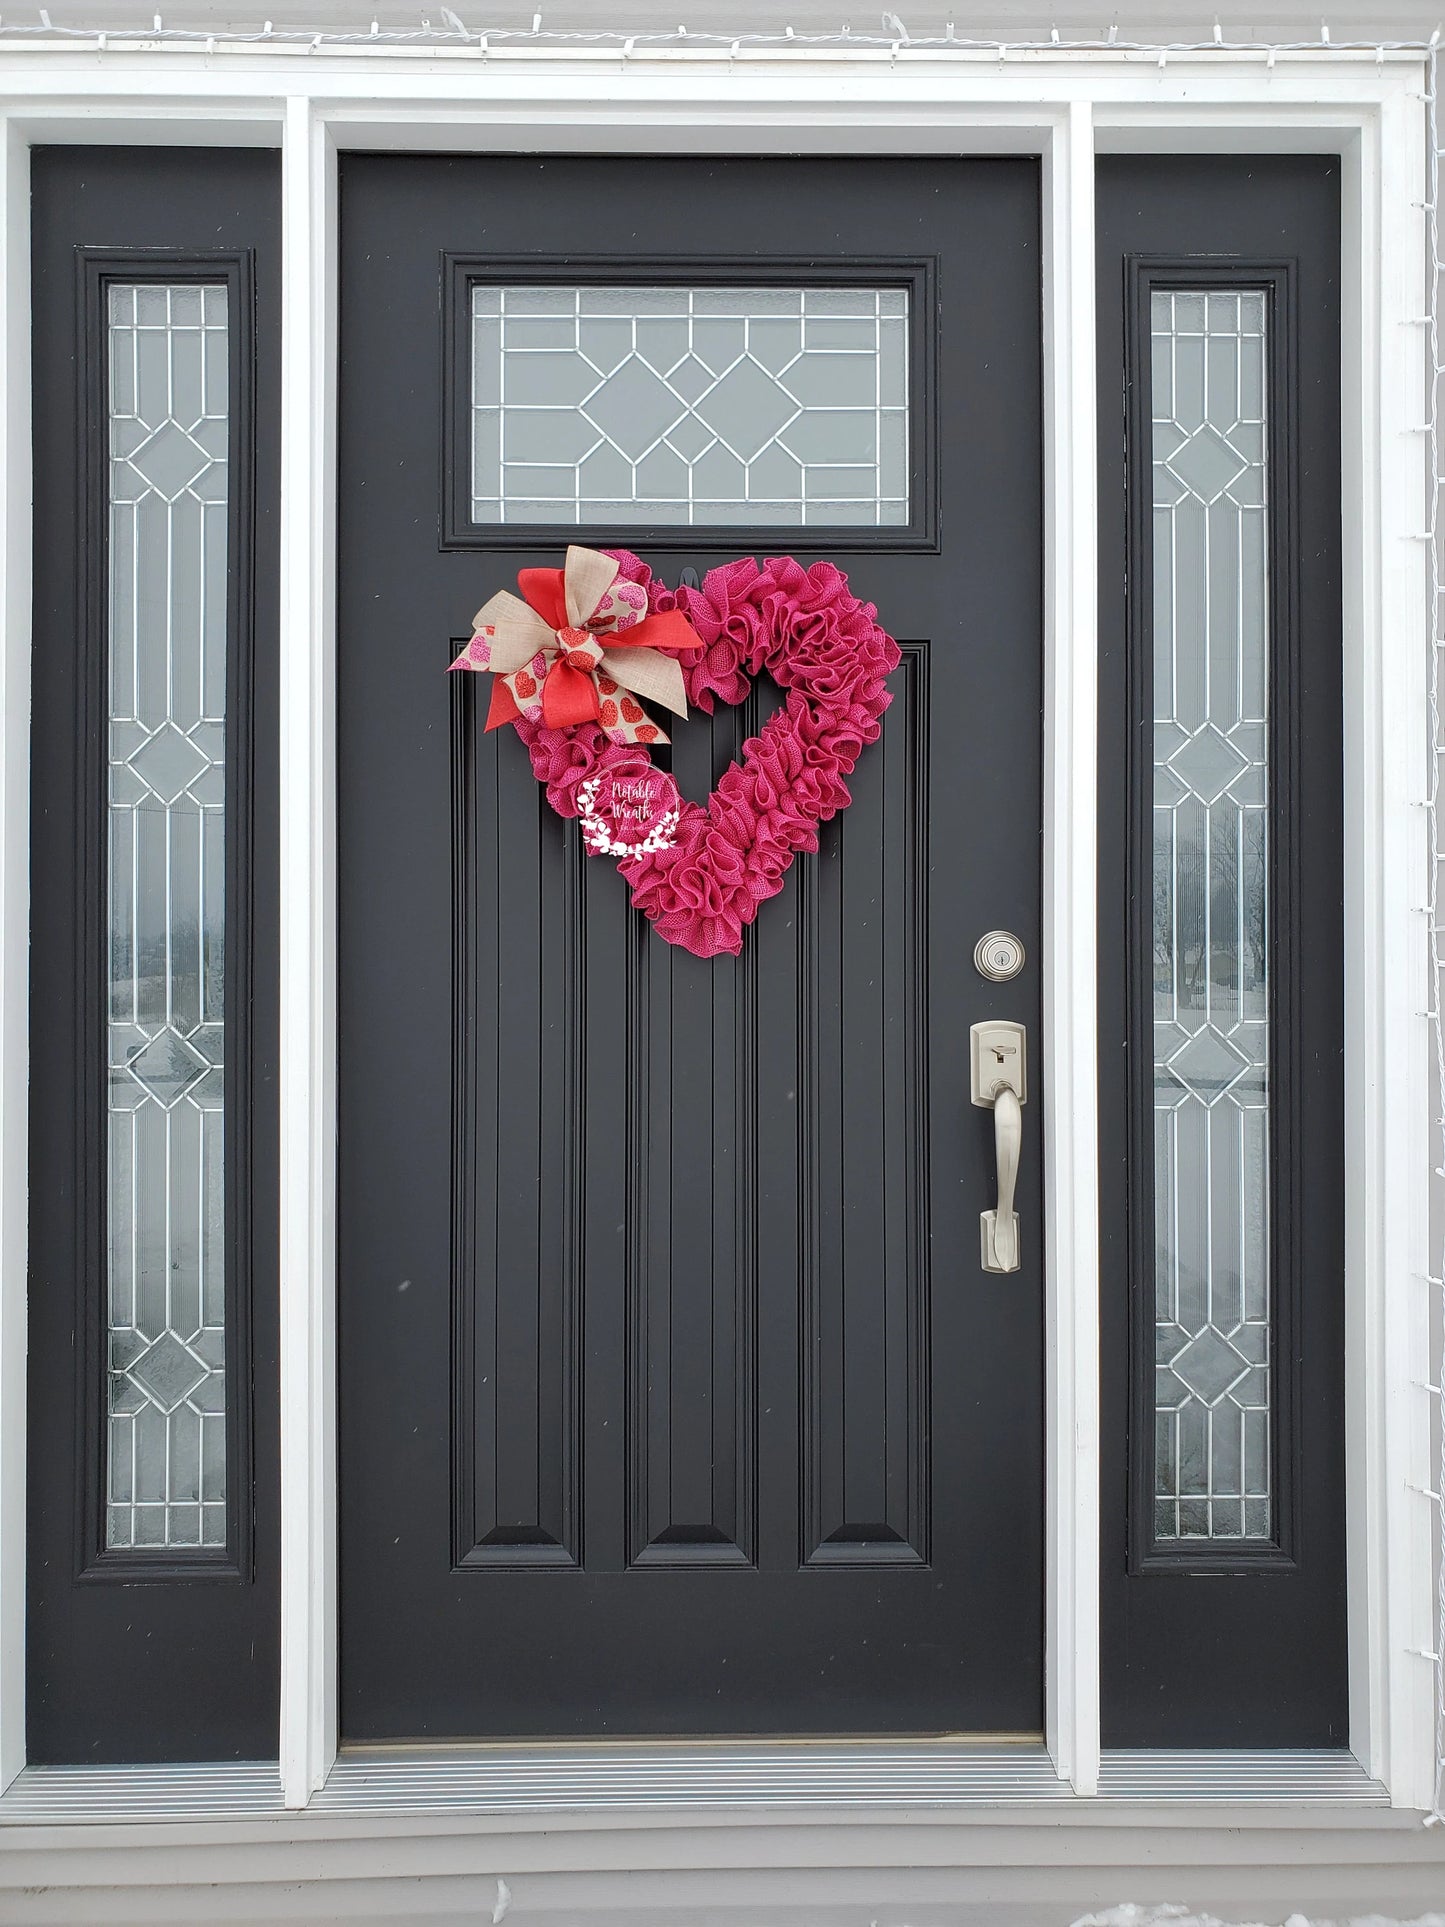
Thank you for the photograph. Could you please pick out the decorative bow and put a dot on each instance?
(553, 661)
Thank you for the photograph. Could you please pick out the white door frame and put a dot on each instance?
(1064, 106)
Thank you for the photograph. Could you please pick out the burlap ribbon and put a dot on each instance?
(550, 652)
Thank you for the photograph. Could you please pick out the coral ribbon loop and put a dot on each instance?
(542, 590)
(669, 630)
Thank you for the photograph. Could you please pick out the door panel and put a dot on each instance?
(673, 1396)
(153, 1532)
(1222, 1097)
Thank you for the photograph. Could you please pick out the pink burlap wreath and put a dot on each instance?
(824, 648)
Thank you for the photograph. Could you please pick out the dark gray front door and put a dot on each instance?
(674, 1398)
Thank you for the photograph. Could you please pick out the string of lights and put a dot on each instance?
(448, 31)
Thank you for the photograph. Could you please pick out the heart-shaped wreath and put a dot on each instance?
(698, 873)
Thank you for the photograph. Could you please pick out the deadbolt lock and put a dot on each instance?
(998, 955)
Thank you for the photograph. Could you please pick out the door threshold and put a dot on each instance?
(716, 1774)
(789, 1774)
(689, 1776)
(1279, 1776)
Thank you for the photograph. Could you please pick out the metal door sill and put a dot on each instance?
(1236, 1777)
(42, 1796)
(716, 1776)
(919, 1776)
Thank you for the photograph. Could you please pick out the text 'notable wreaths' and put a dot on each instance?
(697, 872)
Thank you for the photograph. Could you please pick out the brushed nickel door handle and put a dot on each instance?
(999, 1077)
(1000, 1228)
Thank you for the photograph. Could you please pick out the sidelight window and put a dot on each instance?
(1209, 892)
(167, 541)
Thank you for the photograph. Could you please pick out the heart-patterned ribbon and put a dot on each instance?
(550, 652)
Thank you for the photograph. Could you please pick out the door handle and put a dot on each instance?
(1000, 1228)
(999, 1076)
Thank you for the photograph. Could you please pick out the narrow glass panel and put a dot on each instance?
(778, 406)
(167, 506)
(1210, 917)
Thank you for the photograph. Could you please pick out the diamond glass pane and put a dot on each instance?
(776, 406)
(168, 436)
(1210, 932)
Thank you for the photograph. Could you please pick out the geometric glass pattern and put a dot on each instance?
(785, 406)
(1212, 1475)
(169, 429)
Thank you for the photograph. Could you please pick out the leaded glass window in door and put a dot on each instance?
(1210, 916)
(766, 406)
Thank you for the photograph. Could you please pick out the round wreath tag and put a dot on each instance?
(628, 812)
(586, 647)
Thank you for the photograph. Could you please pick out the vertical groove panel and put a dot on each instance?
(518, 1192)
(861, 1076)
(692, 1285)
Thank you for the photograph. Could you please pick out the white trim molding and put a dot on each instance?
(1387, 1160)
(1062, 106)
(308, 954)
(1070, 956)
(15, 553)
